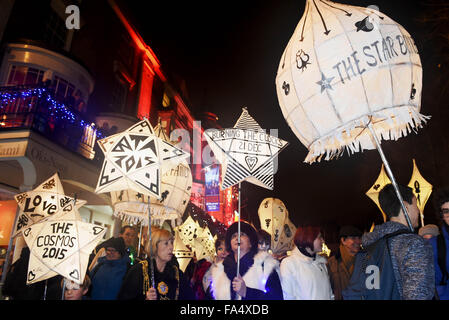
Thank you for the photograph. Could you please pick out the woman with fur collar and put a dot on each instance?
(304, 273)
(259, 271)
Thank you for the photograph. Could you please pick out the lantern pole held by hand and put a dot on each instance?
(238, 234)
(150, 245)
(390, 174)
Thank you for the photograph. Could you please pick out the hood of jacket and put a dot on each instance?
(382, 230)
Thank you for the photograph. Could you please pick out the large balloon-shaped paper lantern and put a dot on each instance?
(346, 67)
(273, 217)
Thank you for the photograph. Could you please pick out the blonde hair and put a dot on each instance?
(157, 235)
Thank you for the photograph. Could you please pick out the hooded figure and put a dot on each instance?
(108, 274)
(259, 271)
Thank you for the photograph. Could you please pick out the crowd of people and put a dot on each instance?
(414, 266)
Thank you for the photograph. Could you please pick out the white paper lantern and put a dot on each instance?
(273, 217)
(176, 186)
(345, 67)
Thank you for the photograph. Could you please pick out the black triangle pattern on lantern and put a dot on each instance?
(248, 150)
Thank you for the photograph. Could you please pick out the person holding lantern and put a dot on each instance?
(169, 281)
(257, 277)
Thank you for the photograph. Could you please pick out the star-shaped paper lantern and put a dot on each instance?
(246, 152)
(204, 244)
(133, 160)
(181, 252)
(61, 245)
(373, 192)
(47, 200)
(421, 188)
(176, 187)
(188, 231)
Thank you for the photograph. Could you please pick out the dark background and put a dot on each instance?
(228, 53)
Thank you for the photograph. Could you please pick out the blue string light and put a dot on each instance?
(57, 110)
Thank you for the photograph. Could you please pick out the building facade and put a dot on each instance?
(62, 89)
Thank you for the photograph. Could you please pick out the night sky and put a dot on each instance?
(228, 53)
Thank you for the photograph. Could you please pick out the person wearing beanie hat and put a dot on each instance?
(258, 277)
(429, 231)
(341, 265)
(107, 276)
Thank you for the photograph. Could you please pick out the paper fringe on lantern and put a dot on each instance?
(406, 119)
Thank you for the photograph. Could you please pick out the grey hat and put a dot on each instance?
(429, 229)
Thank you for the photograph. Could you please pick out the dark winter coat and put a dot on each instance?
(412, 261)
(15, 286)
(107, 278)
(171, 284)
(442, 286)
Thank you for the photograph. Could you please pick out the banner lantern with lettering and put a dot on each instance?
(246, 152)
(45, 201)
(60, 245)
(346, 67)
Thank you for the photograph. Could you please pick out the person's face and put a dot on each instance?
(318, 243)
(112, 254)
(352, 243)
(445, 212)
(245, 243)
(222, 253)
(263, 246)
(129, 236)
(413, 212)
(165, 249)
(73, 291)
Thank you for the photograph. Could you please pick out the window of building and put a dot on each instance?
(23, 75)
(63, 88)
(118, 94)
(55, 30)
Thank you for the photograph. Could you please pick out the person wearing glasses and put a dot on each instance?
(108, 274)
(73, 291)
(440, 244)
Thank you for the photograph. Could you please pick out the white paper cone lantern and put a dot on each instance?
(273, 217)
(346, 66)
(176, 185)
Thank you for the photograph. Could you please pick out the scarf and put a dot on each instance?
(230, 267)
